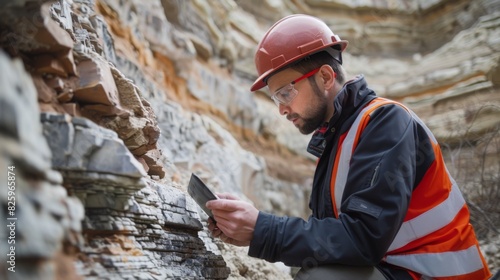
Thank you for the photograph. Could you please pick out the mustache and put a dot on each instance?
(292, 116)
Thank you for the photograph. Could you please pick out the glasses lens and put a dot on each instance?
(285, 95)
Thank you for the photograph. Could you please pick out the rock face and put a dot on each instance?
(43, 221)
(107, 106)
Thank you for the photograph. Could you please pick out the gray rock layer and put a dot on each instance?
(107, 106)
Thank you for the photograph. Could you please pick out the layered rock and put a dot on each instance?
(135, 227)
(104, 135)
(70, 63)
(41, 221)
(136, 95)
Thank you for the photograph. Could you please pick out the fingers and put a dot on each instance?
(212, 224)
(213, 228)
(233, 220)
(224, 204)
(217, 232)
(227, 196)
(223, 226)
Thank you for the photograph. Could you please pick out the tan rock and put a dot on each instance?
(33, 29)
(152, 159)
(97, 111)
(128, 93)
(142, 161)
(68, 62)
(45, 93)
(97, 85)
(65, 97)
(47, 64)
(73, 109)
(55, 83)
(52, 34)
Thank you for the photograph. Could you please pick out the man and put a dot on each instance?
(383, 204)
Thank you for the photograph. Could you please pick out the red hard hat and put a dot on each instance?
(291, 39)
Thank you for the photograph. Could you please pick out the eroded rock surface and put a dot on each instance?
(107, 106)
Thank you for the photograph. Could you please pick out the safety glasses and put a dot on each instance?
(286, 94)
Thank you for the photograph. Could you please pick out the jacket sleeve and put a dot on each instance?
(375, 201)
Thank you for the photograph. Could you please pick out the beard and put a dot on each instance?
(316, 112)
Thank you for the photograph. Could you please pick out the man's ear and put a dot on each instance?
(327, 76)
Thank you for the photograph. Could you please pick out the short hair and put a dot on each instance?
(316, 60)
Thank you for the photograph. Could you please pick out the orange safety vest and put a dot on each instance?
(436, 240)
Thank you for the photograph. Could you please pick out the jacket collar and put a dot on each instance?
(353, 94)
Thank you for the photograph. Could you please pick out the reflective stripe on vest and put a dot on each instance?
(431, 264)
(348, 146)
(440, 215)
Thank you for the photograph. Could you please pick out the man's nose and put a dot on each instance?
(283, 109)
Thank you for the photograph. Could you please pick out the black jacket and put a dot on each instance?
(386, 166)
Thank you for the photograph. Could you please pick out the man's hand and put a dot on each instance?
(235, 219)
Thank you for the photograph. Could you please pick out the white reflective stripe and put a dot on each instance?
(431, 220)
(440, 264)
(422, 124)
(345, 157)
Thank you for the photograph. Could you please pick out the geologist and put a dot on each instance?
(383, 204)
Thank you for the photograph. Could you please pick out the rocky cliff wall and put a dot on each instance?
(107, 106)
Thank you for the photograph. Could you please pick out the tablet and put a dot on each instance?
(200, 193)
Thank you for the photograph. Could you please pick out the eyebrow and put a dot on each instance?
(281, 88)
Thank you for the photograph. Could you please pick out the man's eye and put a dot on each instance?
(285, 93)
